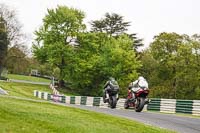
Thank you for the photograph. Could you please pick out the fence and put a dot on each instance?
(155, 104)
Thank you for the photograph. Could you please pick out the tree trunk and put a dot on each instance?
(174, 84)
(1, 70)
(61, 83)
(61, 79)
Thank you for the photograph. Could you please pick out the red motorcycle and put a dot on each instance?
(139, 101)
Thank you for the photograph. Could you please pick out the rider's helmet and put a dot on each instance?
(114, 83)
(142, 82)
(112, 79)
(141, 78)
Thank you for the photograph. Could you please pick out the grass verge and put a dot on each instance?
(23, 89)
(28, 78)
(20, 116)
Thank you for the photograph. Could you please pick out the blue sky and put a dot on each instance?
(148, 17)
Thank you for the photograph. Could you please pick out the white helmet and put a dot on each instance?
(141, 78)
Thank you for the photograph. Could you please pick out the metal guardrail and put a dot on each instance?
(175, 106)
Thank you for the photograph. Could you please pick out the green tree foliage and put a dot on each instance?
(17, 61)
(164, 50)
(188, 75)
(174, 70)
(52, 45)
(85, 60)
(99, 57)
(114, 25)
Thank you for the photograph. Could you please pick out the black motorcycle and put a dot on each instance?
(113, 97)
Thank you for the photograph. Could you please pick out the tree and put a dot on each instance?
(164, 49)
(99, 57)
(114, 25)
(10, 32)
(85, 65)
(188, 70)
(171, 66)
(14, 60)
(53, 40)
(12, 25)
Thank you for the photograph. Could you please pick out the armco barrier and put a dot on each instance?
(155, 104)
(168, 105)
(175, 106)
(78, 100)
(196, 107)
(184, 106)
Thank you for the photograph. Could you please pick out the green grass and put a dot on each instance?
(37, 79)
(67, 92)
(26, 90)
(28, 78)
(23, 89)
(20, 116)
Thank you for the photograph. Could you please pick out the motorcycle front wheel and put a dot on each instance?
(113, 102)
(140, 104)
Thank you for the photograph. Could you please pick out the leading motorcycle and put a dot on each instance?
(140, 99)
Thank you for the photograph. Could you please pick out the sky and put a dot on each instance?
(148, 17)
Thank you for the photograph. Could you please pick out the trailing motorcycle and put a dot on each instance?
(140, 99)
(113, 97)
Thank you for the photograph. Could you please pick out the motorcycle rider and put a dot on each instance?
(135, 85)
(109, 85)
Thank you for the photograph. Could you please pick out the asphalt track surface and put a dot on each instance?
(181, 124)
(173, 122)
